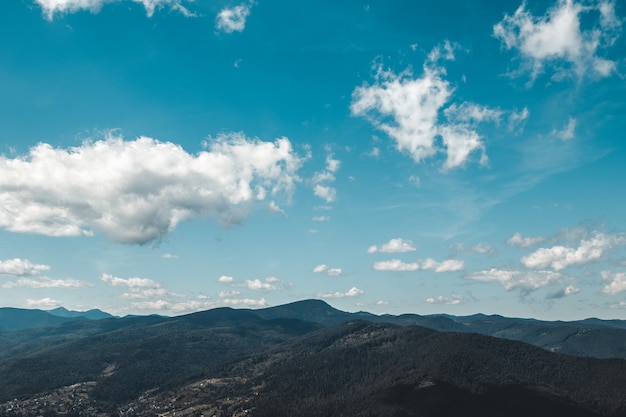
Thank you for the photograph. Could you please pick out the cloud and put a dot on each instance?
(42, 303)
(228, 294)
(321, 218)
(138, 287)
(233, 19)
(448, 265)
(169, 256)
(396, 245)
(52, 7)
(45, 282)
(322, 179)
(21, 267)
(480, 248)
(617, 282)
(523, 281)
(454, 299)
(329, 194)
(556, 40)
(138, 191)
(270, 284)
(352, 292)
(408, 109)
(395, 265)
(567, 133)
(225, 279)
(564, 292)
(560, 257)
(524, 242)
(274, 208)
(326, 270)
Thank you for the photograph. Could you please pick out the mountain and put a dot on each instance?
(368, 369)
(304, 358)
(12, 319)
(93, 314)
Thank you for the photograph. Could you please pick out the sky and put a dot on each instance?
(171, 156)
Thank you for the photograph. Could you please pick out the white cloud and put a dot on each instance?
(52, 7)
(169, 256)
(21, 267)
(408, 109)
(138, 191)
(42, 303)
(268, 285)
(617, 282)
(322, 179)
(453, 299)
(524, 281)
(228, 294)
(444, 266)
(326, 270)
(395, 265)
(556, 39)
(560, 257)
(244, 302)
(396, 245)
(225, 279)
(524, 242)
(45, 282)
(233, 19)
(480, 248)
(329, 194)
(138, 287)
(352, 292)
(274, 208)
(567, 132)
(129, 282)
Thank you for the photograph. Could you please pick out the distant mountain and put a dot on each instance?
(367, 369)
(592, 337)
(93, 314)
(12, 319)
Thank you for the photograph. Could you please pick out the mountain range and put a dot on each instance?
(308, 358)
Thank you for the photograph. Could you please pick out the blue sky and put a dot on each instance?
(169, 156)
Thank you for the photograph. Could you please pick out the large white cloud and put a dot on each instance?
(409, 109)
(233, 19)
(560, 257)
(524, 281)
(138, 191)
(395, 245)
(21, 267)
(560, 40)
(52, 7)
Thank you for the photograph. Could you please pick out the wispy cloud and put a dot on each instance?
(523, 281)
(138, 191)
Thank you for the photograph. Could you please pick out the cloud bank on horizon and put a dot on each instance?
(406, 162)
